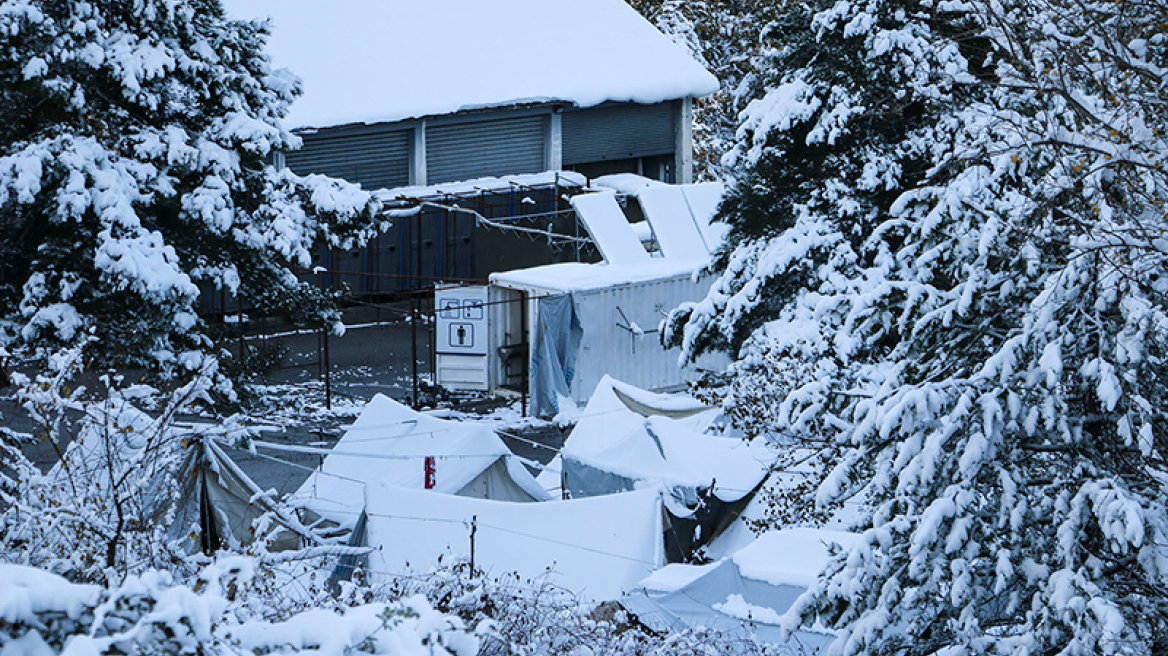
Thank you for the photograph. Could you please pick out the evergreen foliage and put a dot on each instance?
(947, 268)
(135, 137)
(726, 36)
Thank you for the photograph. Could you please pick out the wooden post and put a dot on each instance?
(474, 527)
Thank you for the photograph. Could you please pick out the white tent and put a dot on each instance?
(392, 443)
(187, 480)
(628, 438)
(222, 503)
(745, 593)
(596, 548)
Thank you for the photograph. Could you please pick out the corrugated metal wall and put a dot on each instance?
(378, 159)
(619, 131)
(463, 151)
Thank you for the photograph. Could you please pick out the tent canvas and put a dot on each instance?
(628, 438)
(596, 548)
(391, 442)
(190, 485)
(746, 593)
(222, 504)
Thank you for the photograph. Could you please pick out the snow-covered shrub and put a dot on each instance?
(109, 501)
(537, 618)
(42, 614)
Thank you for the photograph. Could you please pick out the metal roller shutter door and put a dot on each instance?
(485, 149)
(376, 160)
(609, 132)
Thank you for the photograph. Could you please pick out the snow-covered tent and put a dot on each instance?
(222, 503)
(182, 478)
(747, 592)
(629, 438)
(596, 548)
(392, 443)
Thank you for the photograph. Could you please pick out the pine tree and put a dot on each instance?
(135, 137)
(947, 269)
(726, 36)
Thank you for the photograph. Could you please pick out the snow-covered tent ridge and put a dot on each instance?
(390, 442)
(631, 435)
(747, 592)
(596, 548)
(628, 438)
(369, 61)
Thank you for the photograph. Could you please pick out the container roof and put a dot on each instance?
(372, 61)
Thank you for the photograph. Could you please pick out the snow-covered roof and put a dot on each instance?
(370, 61)
(582, 277)
(680, 219)
(596, 548)
(389, 442)
(482, 185)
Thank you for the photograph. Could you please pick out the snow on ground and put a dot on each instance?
(362, 61)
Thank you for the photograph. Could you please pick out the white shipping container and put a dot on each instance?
(621, 325)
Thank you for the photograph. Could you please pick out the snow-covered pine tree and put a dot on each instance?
(948, 251)
(726, 36)
(134, 141)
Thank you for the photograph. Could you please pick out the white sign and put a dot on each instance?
(462, 320)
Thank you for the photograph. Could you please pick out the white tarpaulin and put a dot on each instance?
(627, 435)
(628, 438)
(746, 593)
(596, 548)
(390, 442)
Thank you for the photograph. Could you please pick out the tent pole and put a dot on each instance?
(328, 376)
(474, 527)
(524, 349)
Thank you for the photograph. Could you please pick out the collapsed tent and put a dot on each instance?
(748, 592)
(183, 480)
(629, 438)
(392, 443)
(223, 505)
(596, 548)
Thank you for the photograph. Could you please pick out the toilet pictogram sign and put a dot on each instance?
(462, 335)
(462, 320)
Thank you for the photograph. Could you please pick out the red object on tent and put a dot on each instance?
(431, 473)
